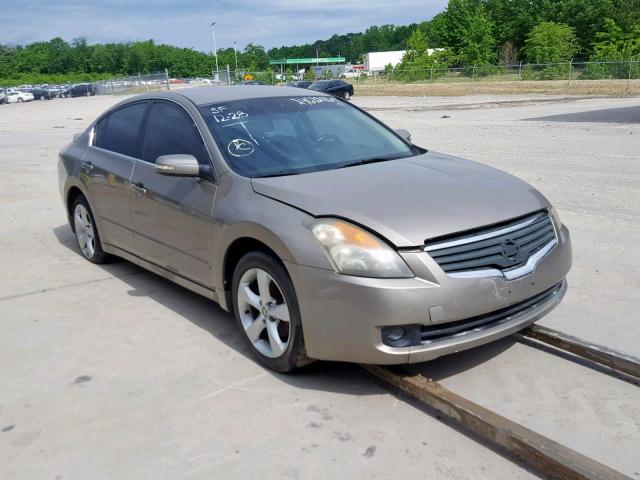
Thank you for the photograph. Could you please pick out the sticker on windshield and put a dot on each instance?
(240, 147)
(315, 100)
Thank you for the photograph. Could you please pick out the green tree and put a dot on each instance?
(612, 43)
(478, 44)
(470, 32)
(551, 42)
(585, 16)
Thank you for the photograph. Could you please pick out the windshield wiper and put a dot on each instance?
(283, 174)
(371, 160)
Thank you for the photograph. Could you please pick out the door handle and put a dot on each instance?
(87, 166)
(138, 188)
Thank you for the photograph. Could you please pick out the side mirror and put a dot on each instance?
(404, 134)
(185, 165)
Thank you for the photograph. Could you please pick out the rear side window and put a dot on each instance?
(120, 131)
(170, 131)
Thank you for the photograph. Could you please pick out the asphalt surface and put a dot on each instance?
(112, 372)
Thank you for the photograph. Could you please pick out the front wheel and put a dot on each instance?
(266, 310)
(20, 100)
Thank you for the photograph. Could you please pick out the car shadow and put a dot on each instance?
(209, 316)
(628, 115)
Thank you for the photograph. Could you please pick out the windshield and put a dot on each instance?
(288, 135)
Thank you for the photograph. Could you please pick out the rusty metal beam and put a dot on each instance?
(593, 352)
(542, 454)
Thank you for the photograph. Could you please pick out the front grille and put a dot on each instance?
(501, 247)
(430, 333)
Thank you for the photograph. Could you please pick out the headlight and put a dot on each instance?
(354, 251)
(556, 217)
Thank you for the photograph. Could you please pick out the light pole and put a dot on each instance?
(235, 52)
(215, 51)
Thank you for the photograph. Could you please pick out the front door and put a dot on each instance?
(172, 215)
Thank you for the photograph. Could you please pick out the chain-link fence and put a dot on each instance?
(134, 84)
(614, 77)
(574, 77)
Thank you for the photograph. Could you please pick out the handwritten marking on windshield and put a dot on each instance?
(315, 100)
(240, 147)
(221, 114)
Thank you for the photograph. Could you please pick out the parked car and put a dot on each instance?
(337, 88)
(56, 90)
(80, 90)
(354, 73)
(300, 84)
(251, 82)
(17, 96)
(327, 234)
(41, 93)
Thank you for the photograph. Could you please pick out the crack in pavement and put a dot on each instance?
(68, 285)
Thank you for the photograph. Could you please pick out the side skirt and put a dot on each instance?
(152, 267)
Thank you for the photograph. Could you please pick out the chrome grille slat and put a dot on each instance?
(489, 249)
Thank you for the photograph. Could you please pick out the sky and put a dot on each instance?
(187, 23)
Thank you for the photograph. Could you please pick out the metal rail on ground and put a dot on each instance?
(540, 453)
(617, 361)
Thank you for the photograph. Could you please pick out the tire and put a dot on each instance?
(260, 325)
(346, 95)
(84, 226)
(20, 100)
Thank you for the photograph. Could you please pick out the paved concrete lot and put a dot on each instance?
(113, 372)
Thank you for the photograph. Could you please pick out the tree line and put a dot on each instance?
(470, 32)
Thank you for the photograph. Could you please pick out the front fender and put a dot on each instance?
(276, 225)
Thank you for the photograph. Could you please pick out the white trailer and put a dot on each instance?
(376, 61)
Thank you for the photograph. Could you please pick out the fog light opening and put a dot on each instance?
(395, 333)
(401, 335)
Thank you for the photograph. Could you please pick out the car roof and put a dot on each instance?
(206, 95)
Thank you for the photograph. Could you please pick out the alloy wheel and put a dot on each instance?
(264, 312)
(84, 231)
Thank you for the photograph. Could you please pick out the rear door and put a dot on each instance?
(172, 215)
(106, 170)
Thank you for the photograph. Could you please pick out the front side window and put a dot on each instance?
(289, 135)
(120, 131)
(170, 130)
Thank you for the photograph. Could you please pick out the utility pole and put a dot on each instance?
(216, 78)
(235, 52)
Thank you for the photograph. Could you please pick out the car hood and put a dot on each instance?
(409, 200)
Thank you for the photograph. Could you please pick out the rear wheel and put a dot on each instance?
(346, 95)
(266, 310)
(86, 232)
